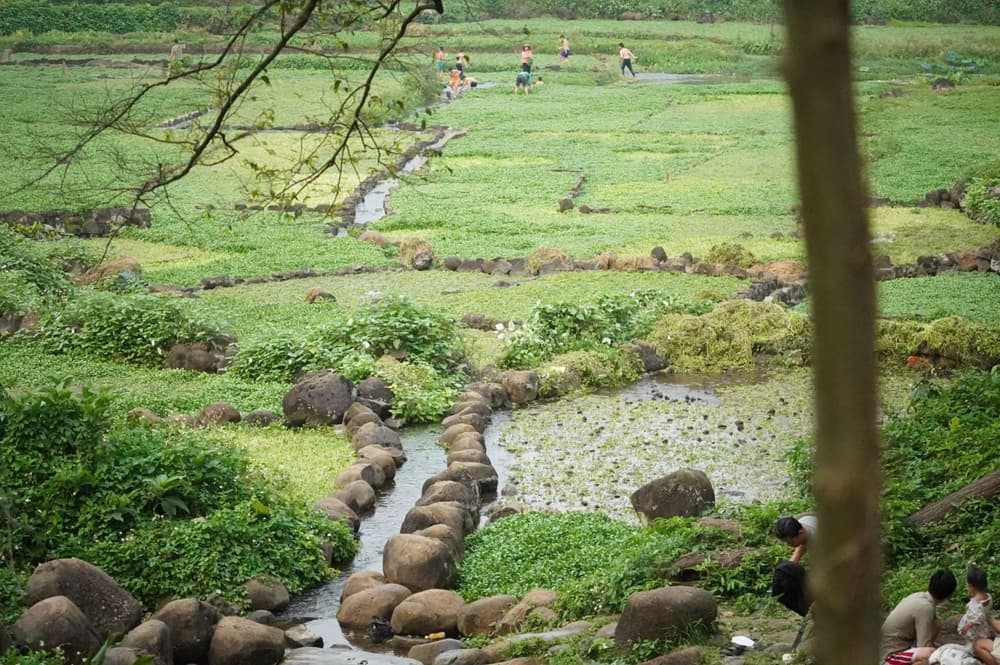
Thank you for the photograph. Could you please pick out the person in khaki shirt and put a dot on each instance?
(908, 633)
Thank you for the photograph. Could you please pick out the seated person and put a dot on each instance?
(977, 624)
(908, 633)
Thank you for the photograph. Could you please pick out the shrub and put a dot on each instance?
(589, 369)
(256, 537)
(977, 202)
(164, 513)
(420, 393)
(552, 329)
(963, 341)
(945, 440)
(596, 563)
(24, 256)
(17, 294)
(394, 326)
(138, 327)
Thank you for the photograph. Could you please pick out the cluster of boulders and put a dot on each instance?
(413, 594)
(74, 607)
(88, 223)
(983, 259)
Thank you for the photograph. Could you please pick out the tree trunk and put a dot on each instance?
(845, 576)
(984, 488)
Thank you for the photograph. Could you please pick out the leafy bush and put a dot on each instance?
(126, 498)
(394, 326)
(17, 294)
(421, 393)
(979, 205)
(24, 256)
(945, 440)
(552, 329)
(136, 327)
(732, 335)
(977, 202)
(256, 537)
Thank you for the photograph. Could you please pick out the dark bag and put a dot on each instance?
(789, 586)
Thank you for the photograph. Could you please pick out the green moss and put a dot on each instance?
(963, 341)
(731, 336)
(895, 339)
(589, 369)
(731, 255)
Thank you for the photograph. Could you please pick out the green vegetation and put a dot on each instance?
(165, 512)
(595, 563)
(733, 335)
(136, 327)
(704, 168)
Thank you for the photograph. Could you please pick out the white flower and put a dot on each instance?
(499, 326)
(606, 340)
(366, 345)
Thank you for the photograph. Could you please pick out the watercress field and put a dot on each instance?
(685, 166)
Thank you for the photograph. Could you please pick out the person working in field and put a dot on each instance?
(789, 582)
(526, 58)
(563, 49)
(440, 63)
(522, 82)
(626, 56)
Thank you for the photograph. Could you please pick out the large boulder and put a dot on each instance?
(448, 535)
(217, 413)
(450, 513)
(359, 495)
(426, 653)
(416, 253)
(451, 433)
(494, 394)
(195, 357)
(380, 456)
(267, 594)
(521, 386)
(374, 393)
(476, 456)
(449, 490)
(363, 470)
(111, 609)
(372, 434)
(334, 508)
(153, 638)
(426, 612)
(481, 617)
(468, 441)
(481, 476)
(191, 624)
(360, 581)
(472, 418)
(418, 562)
(321, 398)
(357, 610)
(239, 641)
(663, 613)
(683, 493)
(57, 623)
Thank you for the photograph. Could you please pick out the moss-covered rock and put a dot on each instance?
(731, 255)
(732, 335)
